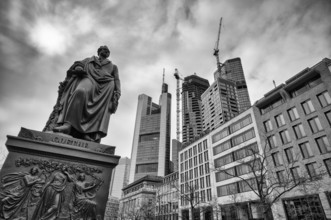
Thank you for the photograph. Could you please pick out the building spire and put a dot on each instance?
(164, 85)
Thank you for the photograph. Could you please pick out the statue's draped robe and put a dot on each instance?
(87, 99)
(49, 205)
(84, 206)
(17, 192)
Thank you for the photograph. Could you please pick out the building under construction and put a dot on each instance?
(192, 89)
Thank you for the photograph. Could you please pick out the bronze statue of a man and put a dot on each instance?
(87, 98)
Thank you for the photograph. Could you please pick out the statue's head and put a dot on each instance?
(81, 177)
(34, 171)
(103, 51)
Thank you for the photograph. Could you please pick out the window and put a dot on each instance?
(285, 136)
(243, 169)
(207, 168)
(195, 160)
(201, 170)
(227, 189)
(199, 147)
(272, 141)
(203, 197)
(222, 147)
(293, 113)
(268, 126)
(281, 176)
(295, 173)
(206, 155)
(324, 99)
(299, 131)
(276, 157)
(220, 135)
(305, 207)
(327, 163)
(195, 150)
(289, 154)
(240, 124)
(280, 120)
(306, 150)
(223, 160)
(311, 169)
(200, 158)
(245, 152)
(328, 116)
(208, 181)
(205, 145)
(323, 144)
(247, 135)
(308, 107)
(315, 125)
(202, 183)
(209, 197)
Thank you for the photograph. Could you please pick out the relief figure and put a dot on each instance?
(17, 191)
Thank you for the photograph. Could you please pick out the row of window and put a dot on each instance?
(234, 141)
(236, 187)
(311, 169)
(236, 155)
(197, 171)
(194, 151)
(305, 149)
(196, 184)
(293, 114)
(197, 197)
(203, 157)
(238, 170)
(324, 100)
(232, 128)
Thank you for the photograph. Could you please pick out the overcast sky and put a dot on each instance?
(40, 39)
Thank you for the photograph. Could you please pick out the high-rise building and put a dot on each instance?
(232, 70)
(150, 153)
(193, 87)
(120, 178)
(219, 104)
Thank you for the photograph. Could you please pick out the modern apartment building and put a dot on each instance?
(232, 70)
(219, 104)
(150, 153)
(295, 119)
(195, 189)
(192, 89)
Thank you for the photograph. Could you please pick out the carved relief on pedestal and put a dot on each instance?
(50, 190)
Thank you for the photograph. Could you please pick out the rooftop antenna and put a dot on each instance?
(163, 76)
(273, 81)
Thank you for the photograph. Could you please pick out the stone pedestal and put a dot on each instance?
(51, 176)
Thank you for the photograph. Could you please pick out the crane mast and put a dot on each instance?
(176, 74)
(216, 49)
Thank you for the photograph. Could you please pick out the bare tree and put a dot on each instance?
(268, 185)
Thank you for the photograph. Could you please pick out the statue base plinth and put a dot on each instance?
(51, 176)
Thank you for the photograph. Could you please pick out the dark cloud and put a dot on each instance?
(40, 39)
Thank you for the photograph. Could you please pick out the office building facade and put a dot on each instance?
(150, 153)
(192, 89)
(295, 118)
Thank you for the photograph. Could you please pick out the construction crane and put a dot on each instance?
(216, 49)
(178, 78)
